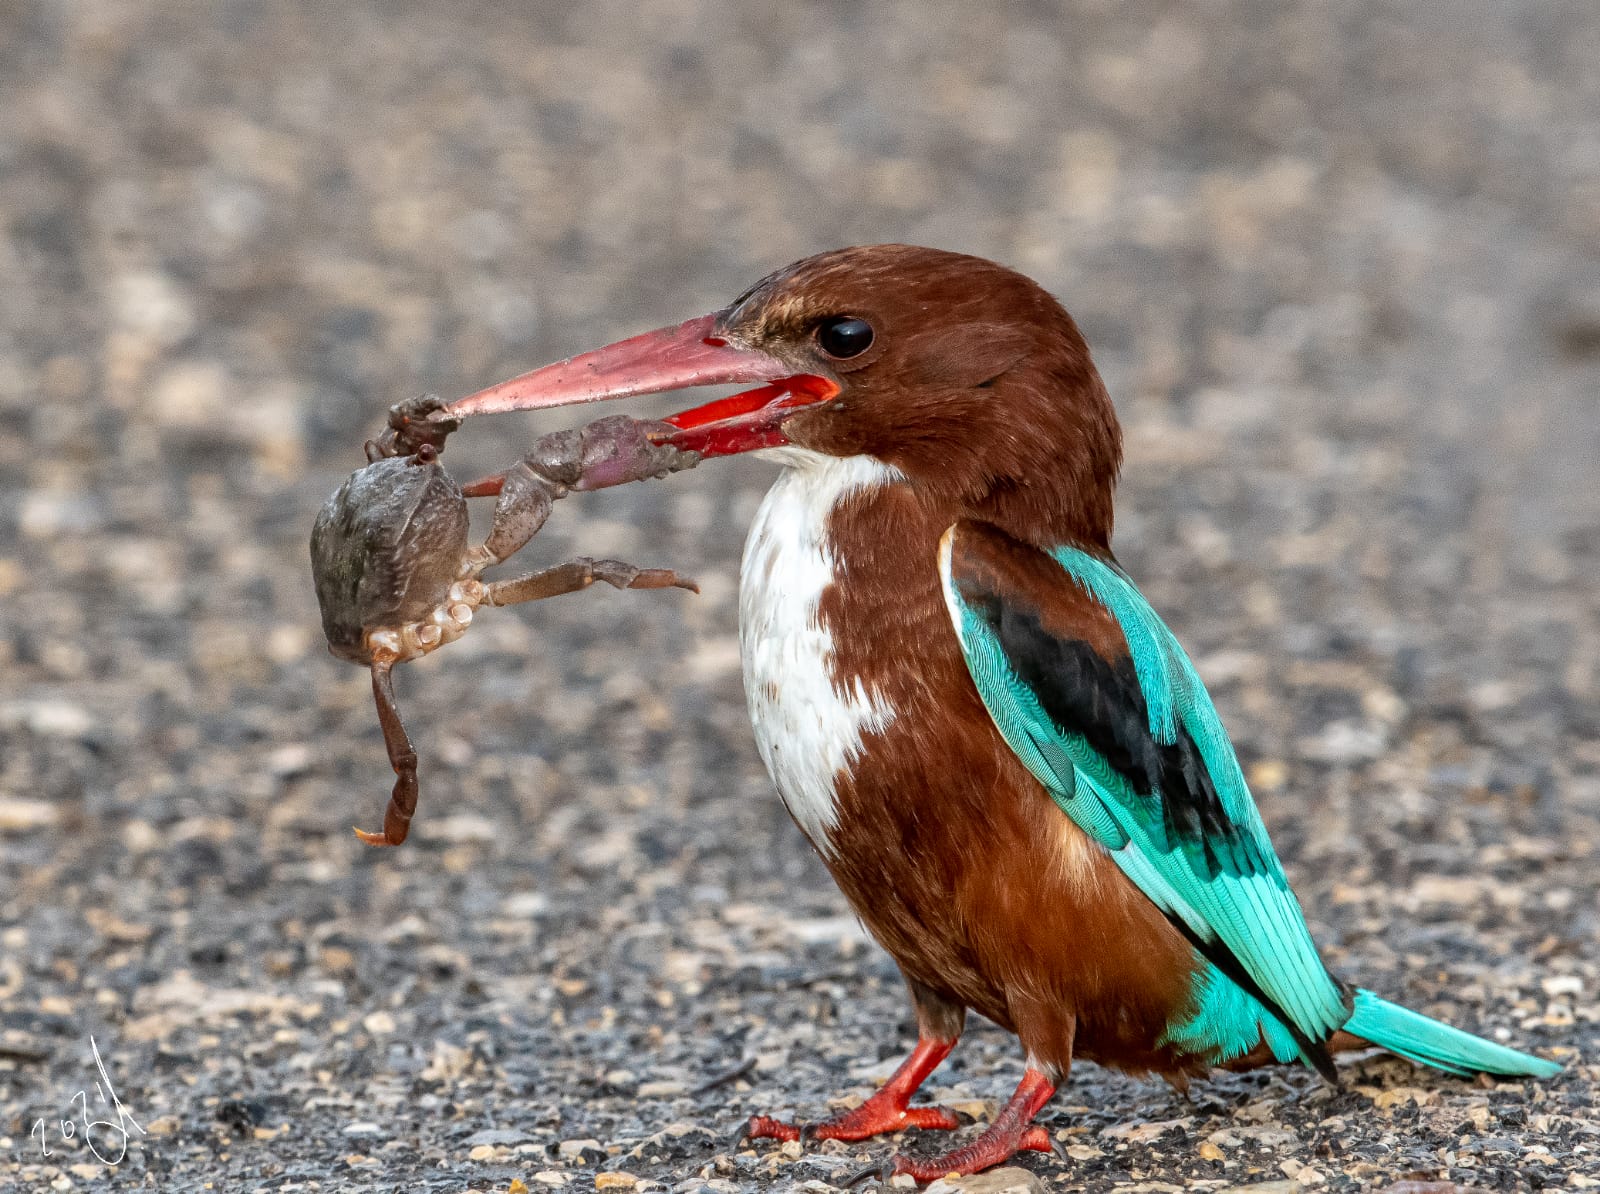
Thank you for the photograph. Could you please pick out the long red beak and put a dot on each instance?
(673, 358)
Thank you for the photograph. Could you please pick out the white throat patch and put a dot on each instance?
(808, 728)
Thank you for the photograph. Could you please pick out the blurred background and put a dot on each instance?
(1340, 265)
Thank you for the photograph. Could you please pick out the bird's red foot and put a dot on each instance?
(885, 1111)
(1011, 1132)
(983, 1153)
(872, 1118)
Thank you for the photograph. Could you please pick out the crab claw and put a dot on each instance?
(415, 424)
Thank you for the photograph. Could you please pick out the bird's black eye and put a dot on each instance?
(844, 336)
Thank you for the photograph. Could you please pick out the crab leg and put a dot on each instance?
(402, 757)
(615, 450)
(579, 574)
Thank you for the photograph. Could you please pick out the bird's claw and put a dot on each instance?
(881, 1173)
(1050, 1143)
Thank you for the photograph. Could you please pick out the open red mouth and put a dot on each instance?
(673, 358)
(747, 421)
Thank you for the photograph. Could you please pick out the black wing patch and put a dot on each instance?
(1087, 694)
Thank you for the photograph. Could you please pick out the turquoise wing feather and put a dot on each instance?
(1134, 752)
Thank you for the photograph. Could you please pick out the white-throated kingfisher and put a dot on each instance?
(997, 746)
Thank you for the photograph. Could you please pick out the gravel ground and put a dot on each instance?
(1341, 266)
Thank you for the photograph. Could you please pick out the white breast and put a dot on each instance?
(808, 727)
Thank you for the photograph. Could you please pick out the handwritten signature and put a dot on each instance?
(82, 1127)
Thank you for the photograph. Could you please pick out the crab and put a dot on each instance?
(396, 577)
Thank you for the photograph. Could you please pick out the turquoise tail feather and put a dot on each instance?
(1428, 1042)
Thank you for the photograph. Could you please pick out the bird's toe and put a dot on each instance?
(765, 1127)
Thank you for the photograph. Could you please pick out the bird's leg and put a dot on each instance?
(1012, 1131)
(579, 574)
(402, 757)
(888, 1109)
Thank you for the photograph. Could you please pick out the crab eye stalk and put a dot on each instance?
(844, 336)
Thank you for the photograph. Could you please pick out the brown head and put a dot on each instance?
(964, 375)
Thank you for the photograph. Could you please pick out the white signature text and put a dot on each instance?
(114, 1135)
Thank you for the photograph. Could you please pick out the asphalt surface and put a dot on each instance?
(1341, 267)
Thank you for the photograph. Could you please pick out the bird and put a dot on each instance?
(997, 747)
